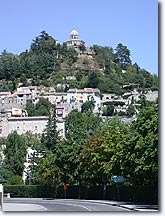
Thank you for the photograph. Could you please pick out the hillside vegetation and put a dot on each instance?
(49, 63)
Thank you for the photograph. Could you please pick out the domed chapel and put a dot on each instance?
(78, 44)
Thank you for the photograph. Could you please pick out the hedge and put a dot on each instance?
(147, 195)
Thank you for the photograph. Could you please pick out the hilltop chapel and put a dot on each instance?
(78, 44)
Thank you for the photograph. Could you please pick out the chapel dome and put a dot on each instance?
(74, 33)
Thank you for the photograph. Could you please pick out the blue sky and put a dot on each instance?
(134, 23)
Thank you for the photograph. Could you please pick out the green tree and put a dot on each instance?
(79, 126)
(130, 110)
(30, 107)
(43, 107)
(47, 172)
(108, 110)
(50, 136)
(15, 153)
(100, 157)
(122, 55)
(93, 80)
(88, 106)
(140, 153)
(9, 65)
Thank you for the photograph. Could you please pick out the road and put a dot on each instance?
(59, 205)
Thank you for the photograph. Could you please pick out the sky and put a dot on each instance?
(134, 23)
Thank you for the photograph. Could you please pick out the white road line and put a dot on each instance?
(70, 204)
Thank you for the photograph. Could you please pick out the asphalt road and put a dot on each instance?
(59, 205)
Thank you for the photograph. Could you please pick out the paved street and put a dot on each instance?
(68, 205)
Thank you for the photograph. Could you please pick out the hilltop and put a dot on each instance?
(73, 65)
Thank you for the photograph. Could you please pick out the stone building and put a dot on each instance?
(35, 124)
(78, 44)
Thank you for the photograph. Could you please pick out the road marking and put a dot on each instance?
(70, 204)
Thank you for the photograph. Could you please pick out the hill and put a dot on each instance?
(49, 63)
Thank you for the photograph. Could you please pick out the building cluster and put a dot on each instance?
(14, 116)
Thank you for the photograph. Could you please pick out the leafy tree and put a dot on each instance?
(88, 106)
(130, 110)
(47, 172)
(101, 155)
(93, 80)
(15, 153)
(43, 107)
(144, 153)
(30, 107)
(104, 57)
(9, 65)
(108, 110)
(122, 55)
(79, 126)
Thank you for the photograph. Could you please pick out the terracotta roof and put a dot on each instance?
(5, 93)
(59, 107)
(22, 93)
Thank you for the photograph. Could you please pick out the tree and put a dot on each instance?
(122, 55)
(15, 153)
(15, 180)
(104, 57)
(100, 157)
(130, 110)
(43, 107)
(88, 106)
(30, 107)
(93, 80)
(79, 126)
(47, 172)
(108, 110)
(140, 153)
(9, 65)
(50, 136)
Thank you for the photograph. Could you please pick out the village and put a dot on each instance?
(14, 116)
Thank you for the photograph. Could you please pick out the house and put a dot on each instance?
(35, 124)
(77, 97)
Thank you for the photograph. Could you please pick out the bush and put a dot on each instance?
(15, 180)
(30, 191)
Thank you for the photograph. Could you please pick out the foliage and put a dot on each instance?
(42, 108)
(50, 136)
(121, 150)
(88, 106)
(15, 180)
(108, 110)
(100, 157)
(47, 173)
(15, 153)
(30, 191)
(93, 80)
(79, 126)
(48, 63)
(130, 110)
(122, 55)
